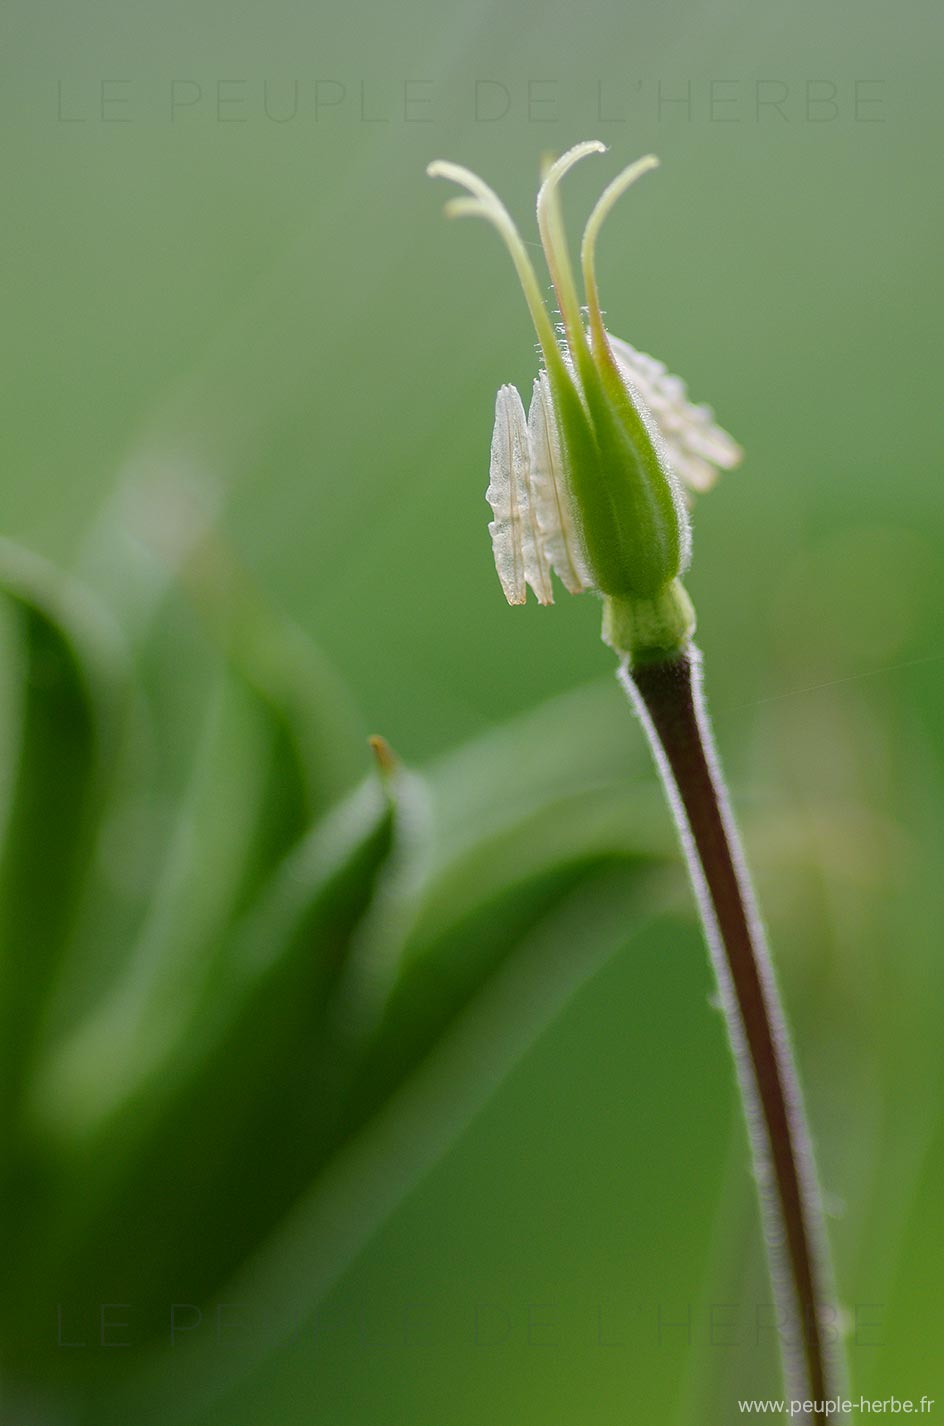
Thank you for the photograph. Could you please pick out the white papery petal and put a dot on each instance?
(697, 447)
(520, 557)
(549, 496)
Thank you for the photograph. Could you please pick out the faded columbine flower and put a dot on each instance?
(589, 484)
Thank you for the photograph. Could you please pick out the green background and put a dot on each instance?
(276, 311)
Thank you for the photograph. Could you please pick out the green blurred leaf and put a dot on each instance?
(153, 1201)
(64, 707)
(434, 1006)
(285, 970)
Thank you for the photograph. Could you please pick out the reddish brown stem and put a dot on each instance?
(668, 698)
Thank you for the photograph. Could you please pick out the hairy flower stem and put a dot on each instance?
(667, 695)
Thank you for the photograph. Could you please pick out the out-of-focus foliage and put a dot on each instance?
(222, 962)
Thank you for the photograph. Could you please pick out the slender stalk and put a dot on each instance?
(668, 699)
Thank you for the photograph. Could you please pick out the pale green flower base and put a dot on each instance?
(647, 630)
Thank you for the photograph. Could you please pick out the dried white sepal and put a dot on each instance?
(520, 557)
(697, 447)
(549, 494)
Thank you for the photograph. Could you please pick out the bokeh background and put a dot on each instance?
(222, 264)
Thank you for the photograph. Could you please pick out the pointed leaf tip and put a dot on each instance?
(387, 761)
